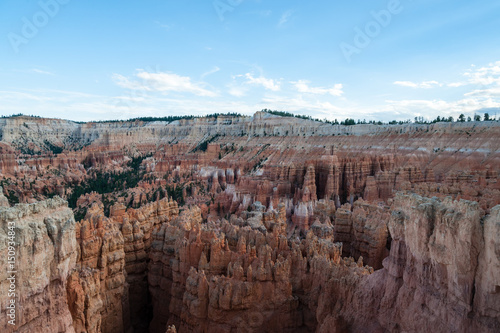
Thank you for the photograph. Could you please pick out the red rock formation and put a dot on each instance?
(343, 228)
(246, 273)
(308, 191)
(369, 233)
(98, 286)
(45, 253)
(109, 291)
(273, 235)
(247, 279)
(137, 227)
(435, 278)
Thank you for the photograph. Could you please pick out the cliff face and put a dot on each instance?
(435, 277)
(137, 227)
(108, 290)
(97, 290)
(39, 134)
(89, 276)
(45, 254)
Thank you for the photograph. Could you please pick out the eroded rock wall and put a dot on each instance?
(438, 276)
(45, 255)
(108, 292)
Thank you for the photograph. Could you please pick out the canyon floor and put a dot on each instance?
(249, 224)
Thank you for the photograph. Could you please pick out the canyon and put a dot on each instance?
(250, 224)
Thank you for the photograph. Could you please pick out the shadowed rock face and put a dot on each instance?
(435, 277)
(3, 200)
(292, 226)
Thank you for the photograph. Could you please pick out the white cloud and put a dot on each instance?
(432, 108)
(423, 85)
(485, 75)
(457, 84)
(86, 107)
(488, 92)
(269, 84)
(303, 87)
(237, 91)
(481, 91)
(124, 82)
(162, 82)
(8, 96)
(486, 81)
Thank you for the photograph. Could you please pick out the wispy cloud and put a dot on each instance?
(422, 85)
(88, 107)
(210, 72)
(482, 94)
(491, 92)
(285, 17)
(39, 71)
(265, 13)
(163, 25)
(303, 87)
(269, 84)
(33, 70)
(163, 82)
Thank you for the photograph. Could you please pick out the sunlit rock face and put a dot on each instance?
(45, 255)
(254, 224)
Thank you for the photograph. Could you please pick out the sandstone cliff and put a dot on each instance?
(437, 276)
(45, 253)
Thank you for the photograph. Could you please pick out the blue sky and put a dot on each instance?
(366, 59)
